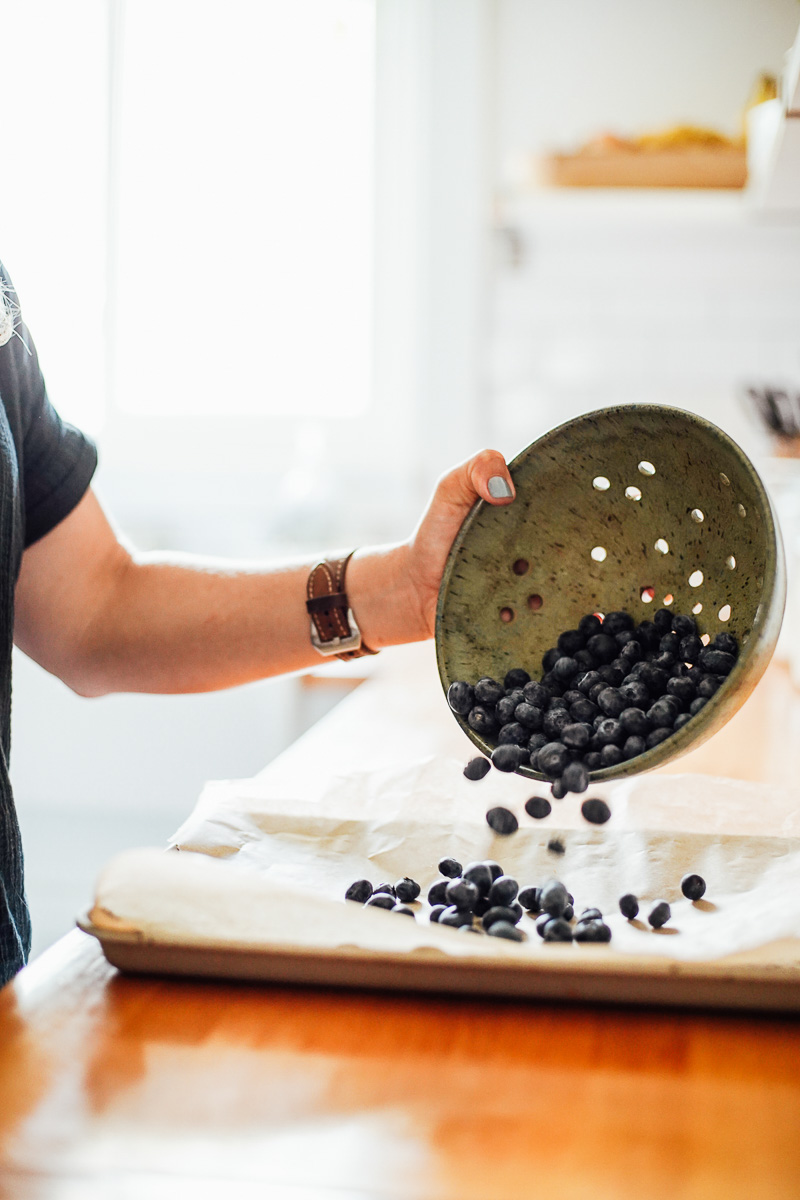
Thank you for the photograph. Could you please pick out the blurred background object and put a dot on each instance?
(255, 239)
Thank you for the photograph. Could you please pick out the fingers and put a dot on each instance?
(485, 475)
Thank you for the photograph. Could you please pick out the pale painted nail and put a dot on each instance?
(499, 489)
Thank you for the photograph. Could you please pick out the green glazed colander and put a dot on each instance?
(631, 508)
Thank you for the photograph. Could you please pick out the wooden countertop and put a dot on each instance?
(126, 1087)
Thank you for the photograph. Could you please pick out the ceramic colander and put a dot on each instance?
(631, 508)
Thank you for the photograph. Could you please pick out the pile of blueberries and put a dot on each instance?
(610, 690)
(481, 898)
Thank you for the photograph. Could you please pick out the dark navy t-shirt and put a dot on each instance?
(45, 469)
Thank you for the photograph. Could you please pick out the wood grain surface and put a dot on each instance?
(117, 1087)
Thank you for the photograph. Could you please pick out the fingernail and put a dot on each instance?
(499, 489)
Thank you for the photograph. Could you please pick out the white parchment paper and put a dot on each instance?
(288, 863)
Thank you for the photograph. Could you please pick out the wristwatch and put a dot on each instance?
(334, 631)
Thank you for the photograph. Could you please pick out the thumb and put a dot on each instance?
(485, 475)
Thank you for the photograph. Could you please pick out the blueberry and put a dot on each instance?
(633, 747)
(654, 678)
(632, 651)
(436, 891)
(690, 649)
(612, 702)
(462, 893)
(388, 888)
(727, 643)
(682, 689)
(506, 757)
(612, 674)
(557, 930)
(536, 695)
(553, 758)
(481, 719)
(656, 736)
(575, 777)
(609, 732)
(542, 921)
(596, 811)
(669, 643)
(595, 690)
(504, 710)
(538, 807)
(571, 696)
(502, 821)
(503, 891)
(360, 891)
(662, 713)
(663, 620)
(461, 697)
(684, 626)
(697, 705)
(436, 912)
(495, 869)
(559, 789)
(481, 906)
(635, 694)
(556, 846)
(502, 929)
(550, 658)
(634, 721)
(591, 914)
(403, 908)
(455, 916)
(530, 898)
(659, 914)
(516, 678)
(512, 734)
(528, 715)
(406, 890)
(647, 635)
(592, 931)
(693, 886)
(582, 711)
(589, 625)
(681, 720)
(717, 661)
(480, 874)
(610, 756)
(616, 622)
(554, 897)
(592, 761)
(488, 691)
(501, 912)
(477, 768)
(584, 660)
(555, 719)
(568, 913)
(565, 668)
(450, 867)
(602, 647)
(380, 900)
(708, 686)
(557, 702)
(585, 683)
(629, 905)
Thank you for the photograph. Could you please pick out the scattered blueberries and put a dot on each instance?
(360, 891)
(644, 682)
(538, 807)
(693, 887)
(406, 890)
(659, 914)
(596, 811)
(629, 906)
(449, 867)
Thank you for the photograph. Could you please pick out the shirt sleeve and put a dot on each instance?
(56, 461)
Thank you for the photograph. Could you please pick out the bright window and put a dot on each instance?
(243, 187)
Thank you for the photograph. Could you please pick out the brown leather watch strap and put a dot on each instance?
(333, 627)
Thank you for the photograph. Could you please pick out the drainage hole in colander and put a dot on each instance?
(506, 615)
(724, 613)
(724, 479)
(742, 511)
(521, 566)
(697, 609)
(535, 602)
(730, 563)
(599, 553)
(648, 595)
(662, 546)
(646, 468)
(668, 599)
(695, 579)
(632, 493)
(705, 638)
(698, 515)
(601, 484)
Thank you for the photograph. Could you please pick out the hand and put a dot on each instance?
(454, 496)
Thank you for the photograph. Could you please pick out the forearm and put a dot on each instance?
(182, 624)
